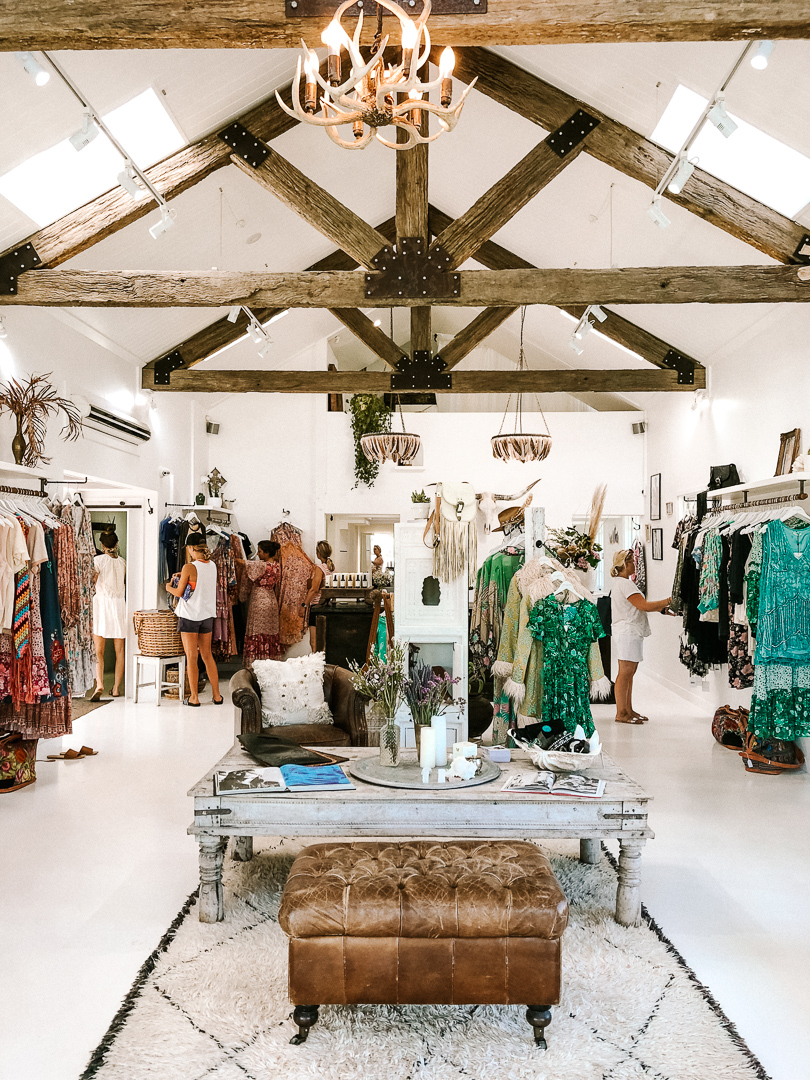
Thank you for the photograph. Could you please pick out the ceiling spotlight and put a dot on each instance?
(129, 183)
(760, 58)
(656, 214)
(575, 344)
(378, 322)
(267, 348)
(681, 175)
(233, 313)
(255, 333)
(720, 118)
(3, 331)
(87, 134)
(41, 76)
(597, 312)
(167, 221)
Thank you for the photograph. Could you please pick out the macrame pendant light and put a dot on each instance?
(520, 445)
(397, 446)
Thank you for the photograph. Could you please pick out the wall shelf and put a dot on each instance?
(775, 483)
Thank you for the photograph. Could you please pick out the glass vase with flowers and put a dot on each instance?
(382, 681)
(428, 693)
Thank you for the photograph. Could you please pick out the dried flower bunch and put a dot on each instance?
(32, 403)
(383, 678)
(428, 694)
(574, 548)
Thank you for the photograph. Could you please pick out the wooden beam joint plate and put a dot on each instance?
(410, 270)
(15, 263)
(421, 372)
(247, 146)
(165, 366)
(684, 365)
(309, 9)
(571, 133)
(802, 252)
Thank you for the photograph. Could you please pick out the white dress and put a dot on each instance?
(109, 603)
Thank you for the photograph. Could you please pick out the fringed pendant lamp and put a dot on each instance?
(399, 447)
(520, 446)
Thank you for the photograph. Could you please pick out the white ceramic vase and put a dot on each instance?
(587, 577)
(420, 511)
(215, 500)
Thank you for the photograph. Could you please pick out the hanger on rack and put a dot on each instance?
(565, 585)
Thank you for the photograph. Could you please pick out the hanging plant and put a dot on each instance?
(370, 416)
(31, 404)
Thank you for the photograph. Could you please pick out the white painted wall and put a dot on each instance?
(758, 389)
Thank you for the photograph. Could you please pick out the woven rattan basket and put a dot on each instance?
(172, 676)
(157, 633)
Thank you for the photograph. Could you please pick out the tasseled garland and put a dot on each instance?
(458, 540)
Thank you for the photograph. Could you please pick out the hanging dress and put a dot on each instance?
(109, 602)
(259, 583)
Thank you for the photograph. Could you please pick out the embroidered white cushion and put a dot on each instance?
(292, 690)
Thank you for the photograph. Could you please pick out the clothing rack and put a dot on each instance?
(778, 500)
(23, 491)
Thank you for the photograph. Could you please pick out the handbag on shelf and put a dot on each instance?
(723, 476)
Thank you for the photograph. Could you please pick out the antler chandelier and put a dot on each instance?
(375, 95)
(520, 446)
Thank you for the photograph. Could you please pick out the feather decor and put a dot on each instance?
(32, 403)
(595, 512)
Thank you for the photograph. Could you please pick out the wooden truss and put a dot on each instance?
(430, 247)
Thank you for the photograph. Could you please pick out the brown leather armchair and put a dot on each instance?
(347, 707)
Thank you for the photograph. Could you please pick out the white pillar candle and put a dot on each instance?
(441, 775)
(427, 754)
(425, 776)
(439, 725)
(465, 749)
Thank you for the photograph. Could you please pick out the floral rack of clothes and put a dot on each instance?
(46, 631)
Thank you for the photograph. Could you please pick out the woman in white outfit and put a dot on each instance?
(196, 610)
(109, 611)
(630, 626)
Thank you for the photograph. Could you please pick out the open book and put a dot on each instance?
(551, 783)
(265, 781)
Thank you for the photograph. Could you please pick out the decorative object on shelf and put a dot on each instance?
(801, 464)
(658, 544)
(31, 404)
(199, 499)
(421, 504)
(563, 760)
(724, 476)
(216, 482)
(428, 694)
(382, 681)
(375, 95)
(520, 446)
(370, 416)
(789, 445)
(655, 497)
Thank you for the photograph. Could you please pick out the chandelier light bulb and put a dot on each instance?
(332, 37)
(311, 87)
(446, 64)
(759, 60)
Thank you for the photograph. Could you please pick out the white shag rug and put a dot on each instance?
(211, 1004)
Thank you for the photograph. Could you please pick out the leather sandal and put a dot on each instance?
(220, 702)
(87, 751)
(631, 720)
(66, 755)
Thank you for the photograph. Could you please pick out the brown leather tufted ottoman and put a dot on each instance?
(424, 923)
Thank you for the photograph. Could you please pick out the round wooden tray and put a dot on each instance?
(408, 774)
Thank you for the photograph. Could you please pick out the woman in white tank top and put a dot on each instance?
(196, 611)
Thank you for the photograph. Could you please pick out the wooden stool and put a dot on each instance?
(159, 681)
(467, 922)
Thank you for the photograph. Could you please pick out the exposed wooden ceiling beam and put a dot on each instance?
(115, 209)
(371, 336)
(261, 24)
(473, 334)
(624, 149)
(478, 288)
(569, 381)
(219, 334)
(496, 207)
(616, 327)
(412, 222)
(316, 206)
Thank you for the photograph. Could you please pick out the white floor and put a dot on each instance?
(96, 864)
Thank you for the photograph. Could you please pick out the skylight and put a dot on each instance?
(750, 160)
(56, 181)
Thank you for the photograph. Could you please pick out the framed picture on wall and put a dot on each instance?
(789, 447)
(655, 497)
(658, 544)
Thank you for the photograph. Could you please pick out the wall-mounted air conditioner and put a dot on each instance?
(110, 422)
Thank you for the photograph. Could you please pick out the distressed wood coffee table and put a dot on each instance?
(483, 812)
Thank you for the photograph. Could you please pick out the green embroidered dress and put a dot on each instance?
(780, 705)
(567, 632)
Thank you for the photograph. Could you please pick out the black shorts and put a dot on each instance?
(189, 626)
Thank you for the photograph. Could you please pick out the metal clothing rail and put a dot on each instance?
(23, 491)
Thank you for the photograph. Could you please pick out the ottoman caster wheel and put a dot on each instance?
(539, 1016)
(306, 1016)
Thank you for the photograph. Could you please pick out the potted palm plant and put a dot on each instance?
(32, 403)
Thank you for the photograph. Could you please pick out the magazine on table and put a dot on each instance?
(268, 780)
(546, 782)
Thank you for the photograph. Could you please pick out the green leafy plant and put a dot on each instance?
(370, 416)
(574, 548)
(419, 497)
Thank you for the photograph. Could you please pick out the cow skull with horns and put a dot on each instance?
(488, 499)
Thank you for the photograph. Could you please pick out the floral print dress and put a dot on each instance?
(259, 582)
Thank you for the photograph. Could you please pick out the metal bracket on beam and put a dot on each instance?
(165, 366)
(573, 131)
(15, 263)
(411, 269)
(309, 9)
(802, 252)
(247, 146)
(684, 365)
(421, 372)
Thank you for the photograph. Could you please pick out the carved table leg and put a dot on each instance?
(590, 851)
(243, 848)
(306, 1016)
(212, 852)
(539, 1016)
(628, 893)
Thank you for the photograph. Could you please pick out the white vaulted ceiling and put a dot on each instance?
(589, 216)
